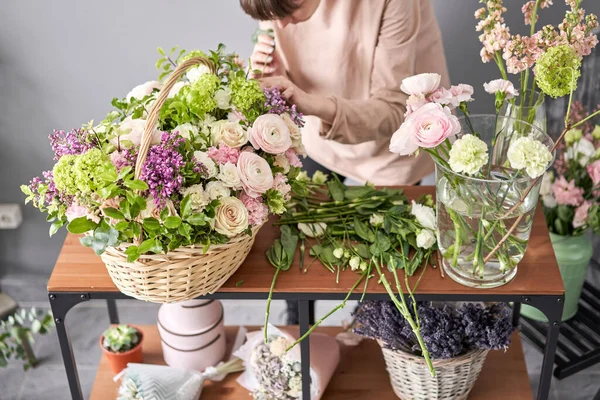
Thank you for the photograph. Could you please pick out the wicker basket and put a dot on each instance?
(184, 273)
(411, 379)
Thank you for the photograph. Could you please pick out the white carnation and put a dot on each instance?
(198, 197)
(193, 74)
(425, 239)
(424, 215)
(229, 176)
(217, 190)
(468, 154)
(211, 168)
(223, 98)
(530, 154)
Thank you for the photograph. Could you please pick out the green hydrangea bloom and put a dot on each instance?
(557, 71)
(84, 173)
(200, 96)
(246, 96)
(192, 54)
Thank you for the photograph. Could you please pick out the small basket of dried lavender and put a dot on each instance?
(458, 338)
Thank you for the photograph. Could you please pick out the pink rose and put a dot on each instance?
(143, 90)
(567, 193)
(132, 130)
(413, 103)
(270, 133)
(427, 127)
(460, 93)
(255, 174)
(421, 84)
(594, 171)
(502, 86)
(441, 96)
(581, 214)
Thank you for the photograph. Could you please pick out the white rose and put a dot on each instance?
(424, 215)
(230, 133)
(376, 219)
(203, 158)
(176, 88)
(132, 130)
(198, 197)
(281, 161)
(223, 98)
(295, 134)
(186, 130)
(216, 190)
(152, 210)
(231, 217)
(421, 84)
(425, 239)
(193, 74)
(314, 230)
(354, 263)
(143, 90)
(229, 176)
(255, 174)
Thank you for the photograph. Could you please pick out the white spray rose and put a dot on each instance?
(193, 74)
(198, 197)
(152, 210)
(176, 88)
(425, 239)
(424, 215)
(295, 134)
(203, 158)
(230, 133)
(549, 200)
(216, 190)
(186, 130)
(223, 98)
(143, 90)
(314, 230)
(376, 219)
(231, 217)
(229, 176)
(354, 263)
(546, 186)
(582, 151)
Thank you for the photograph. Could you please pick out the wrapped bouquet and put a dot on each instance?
(196, 161)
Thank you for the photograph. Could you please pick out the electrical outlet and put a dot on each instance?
(10, 216)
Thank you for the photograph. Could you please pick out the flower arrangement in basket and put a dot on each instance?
(489, 167)
(172, 186)
(458, 338)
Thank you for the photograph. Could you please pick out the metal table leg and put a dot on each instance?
(303, 310)
(61, 303)
(552, 307)
(516, 314)
(113, 314)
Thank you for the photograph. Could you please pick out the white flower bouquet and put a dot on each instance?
(199, 160)
(273, 373)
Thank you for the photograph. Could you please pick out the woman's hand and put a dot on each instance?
(264, 58)
(309, 104)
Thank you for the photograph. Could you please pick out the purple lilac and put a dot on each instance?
(277, 104)
(75, 141)
(51, 191)
(161, 170)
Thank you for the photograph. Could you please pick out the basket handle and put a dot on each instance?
(154, 113)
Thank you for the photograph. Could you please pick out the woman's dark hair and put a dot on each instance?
(267, 10)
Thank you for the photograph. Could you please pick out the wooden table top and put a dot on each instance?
(78, 269)
(360, 375)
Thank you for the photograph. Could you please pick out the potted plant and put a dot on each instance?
(122, 345)
(458, 338)
(17, 335)
(571, 198)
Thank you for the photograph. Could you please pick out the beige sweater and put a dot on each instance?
(357, 52)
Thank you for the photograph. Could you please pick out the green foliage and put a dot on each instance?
(17, 335)
(120, 338)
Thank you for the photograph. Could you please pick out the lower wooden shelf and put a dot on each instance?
(360, 375)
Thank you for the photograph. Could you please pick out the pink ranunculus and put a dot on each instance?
(581, 214)
(255, 174)
(257, 209)
(293, 159)
(460, 93)
(503, 86)
(421, 84)
(132, 130)
(441, 96)
(427, 127)
(566, 193)
(413, 103)
(270, 133)
(143, 90)
(594, 171)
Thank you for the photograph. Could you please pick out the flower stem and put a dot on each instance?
(268, 311)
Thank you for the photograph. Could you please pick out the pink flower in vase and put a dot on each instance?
(594, 170)
(441, 96)
(421, 84)
(581, 214)
(566, 193)
(461, 93)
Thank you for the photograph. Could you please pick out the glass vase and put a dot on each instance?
(529, 107)
(484, 224)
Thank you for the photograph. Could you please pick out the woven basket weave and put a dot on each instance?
(411, 379)
(186, 272)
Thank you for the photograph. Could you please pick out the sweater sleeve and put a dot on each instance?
(378, 117)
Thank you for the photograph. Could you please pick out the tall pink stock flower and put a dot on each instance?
(566, 193)
(581, 214)
(427, 127)
(594, 170)
(420, 85)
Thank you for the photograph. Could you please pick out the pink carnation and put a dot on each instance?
(280, 183)
(224, 154)
(461, 93)
(594, 171)
(293, 159)
(257, 210)
(567, 193)
(581, 214)
(441, 96)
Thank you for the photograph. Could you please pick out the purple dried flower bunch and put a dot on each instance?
(161, 170)
(275, 103)
(447, 331)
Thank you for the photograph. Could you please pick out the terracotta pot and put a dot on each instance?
(192, 333)
(118, 361)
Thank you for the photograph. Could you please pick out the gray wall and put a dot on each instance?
(62, 61)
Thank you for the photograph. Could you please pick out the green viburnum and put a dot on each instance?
(192, 54)
(275, 201)
(572, 136)
(200, 96)
(468, 154)
(557, 71)
(83, 173)
(246, 95)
